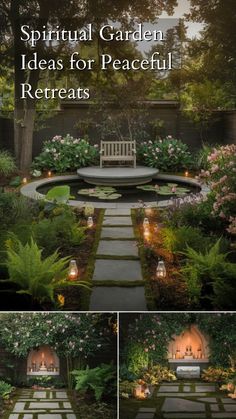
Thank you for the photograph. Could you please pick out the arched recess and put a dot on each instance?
(43, 361)
(191, 344)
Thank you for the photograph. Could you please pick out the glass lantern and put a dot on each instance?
(161, 269)
(90, 222)
(73, 271)
(145, 223)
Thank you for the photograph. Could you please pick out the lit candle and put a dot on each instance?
(161, 270)
(145, 223)
(24, 180)
(49, 173)
(186, 173)
(146, 234)
(73, 271)
(90, 222)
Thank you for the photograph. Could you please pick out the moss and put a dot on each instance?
(118, 283)
(85, 294)
(145, 270)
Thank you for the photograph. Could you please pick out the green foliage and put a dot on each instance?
(202, 157)
(127, 388)
(218, 374)
(168, 189)
(211, 276)
(5, 390)
(101, 192)
(15, 182)
(61, 231)
(65, 153)
(36, 276)
(157, 373)
(125, 374)
(15, 208)
(59, 194)
(136, 359)
(166, 155)
(176, 240)
(101, 380)
(46, 381)
(70, 334)
(7, 164)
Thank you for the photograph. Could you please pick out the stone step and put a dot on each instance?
(117, 248)
(117, 270)
(118, 299)
(117, 233)
(117, 221)
(117, 212)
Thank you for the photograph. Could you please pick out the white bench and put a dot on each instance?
(188, 372)
(114, 151)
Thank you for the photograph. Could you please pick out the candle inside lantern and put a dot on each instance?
(73, 271)
(186, 173)
(146, 234)
(24, 180)
(49, 173)
(90, 222)
(145, 223)
(161, 269)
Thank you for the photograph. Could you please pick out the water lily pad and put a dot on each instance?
(168, 189)
(101, 192)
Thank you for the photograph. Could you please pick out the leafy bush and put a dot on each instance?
(46, 381)
(136, 358)
(5, 390)
(221, 177)
(157, 373)
(65, 153)
(35, 276)
(101, 380)
(15, 208)
(176, 240)
(194, 211)
(59, 231)
(168, 154)
(218, 374)
(126, 387)
(210, 276)
(7, 164)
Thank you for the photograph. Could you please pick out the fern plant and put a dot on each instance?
(209, 275)
(35, 276)
(101, 380)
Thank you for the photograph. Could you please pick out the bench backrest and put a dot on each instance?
(118, 148)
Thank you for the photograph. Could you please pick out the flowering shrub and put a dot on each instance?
(157, 373)
(66, 153)
(217, 374)
(221, 177)
(168, 154)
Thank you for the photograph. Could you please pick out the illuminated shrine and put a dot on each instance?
(43, 361)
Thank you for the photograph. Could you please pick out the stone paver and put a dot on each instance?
(181, 394)
(208, 400)
(214, 408)
(145, 416)
(118, 299)
(117, 233)
(109, 221)
(119, 211)
(187, 388)
(222, 415)
(182, 405)
(207, 388)
(117, 270)
(230, 407)
(117, 248)
(184, 416)
(147, 409)
(168, 388)
(48, 404)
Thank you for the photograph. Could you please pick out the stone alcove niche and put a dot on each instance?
(43, 361)
(190, 346)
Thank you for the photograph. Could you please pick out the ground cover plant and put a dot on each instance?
(35, 236)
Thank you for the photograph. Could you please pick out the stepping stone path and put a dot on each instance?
(117, 259)
(189, 400)
(46, 404)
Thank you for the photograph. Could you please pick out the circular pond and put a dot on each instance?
(158, 192)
